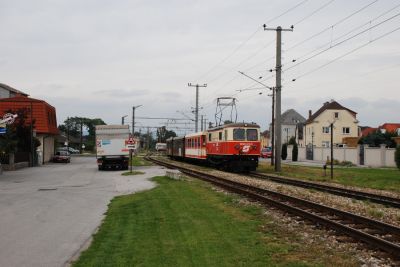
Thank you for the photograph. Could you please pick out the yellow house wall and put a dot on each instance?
(323, 120)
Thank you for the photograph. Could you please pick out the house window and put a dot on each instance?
(346, 130)
(325, 143)
(326, 129)
(336, 115)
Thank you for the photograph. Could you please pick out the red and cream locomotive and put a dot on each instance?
(234, 147)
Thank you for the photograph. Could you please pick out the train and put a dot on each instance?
(232, 147)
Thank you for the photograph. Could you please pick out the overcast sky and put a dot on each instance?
(98, 58)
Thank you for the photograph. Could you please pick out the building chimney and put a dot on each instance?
(309, 114)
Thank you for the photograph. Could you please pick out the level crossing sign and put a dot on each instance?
(130, 141)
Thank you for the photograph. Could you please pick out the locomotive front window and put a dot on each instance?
(252, 135)
(239, 134)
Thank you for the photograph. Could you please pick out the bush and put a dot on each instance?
(397, 156)
(284, 151)
(295, 152)
(347, 163)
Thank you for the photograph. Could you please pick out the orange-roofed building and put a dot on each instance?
(43, 114)
(368, 130)
(390, 127)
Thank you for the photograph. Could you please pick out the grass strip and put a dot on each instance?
(184, 223)
(376, 178)
(140, 161)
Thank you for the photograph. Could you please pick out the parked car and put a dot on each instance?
(71, 150)
(266, 152)
(62, 156)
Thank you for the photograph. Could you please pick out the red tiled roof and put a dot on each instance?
(368, 130)
(43, 113)
(390, 127)
(329, 105)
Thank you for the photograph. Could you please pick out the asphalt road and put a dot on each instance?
(48, 213)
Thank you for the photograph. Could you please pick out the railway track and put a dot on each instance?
(381, 199)
(376, 234)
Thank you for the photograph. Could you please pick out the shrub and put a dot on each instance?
(397, 156)
(295, 152)
(347, 163)
(284, 151)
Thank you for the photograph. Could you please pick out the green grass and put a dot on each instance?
(140, 161)
(184, 223)
(382, 178)
(132, 173)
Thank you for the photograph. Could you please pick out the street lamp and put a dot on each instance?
(123, 119)
(133, 118)
(312, 145)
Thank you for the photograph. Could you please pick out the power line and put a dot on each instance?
(332, 26)
(345, 40)
(347, 33)
(346, 54)
(249, 38)
(314, 12)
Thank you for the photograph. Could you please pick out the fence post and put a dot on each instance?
(383, 155)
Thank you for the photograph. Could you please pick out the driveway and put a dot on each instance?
(48, 213)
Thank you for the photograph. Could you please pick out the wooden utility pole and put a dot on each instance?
(278, 88)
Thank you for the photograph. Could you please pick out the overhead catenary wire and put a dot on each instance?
(314, 12)
(332, 26)
(347, 33)
(346, 54)
(343, 41)
(202, 77)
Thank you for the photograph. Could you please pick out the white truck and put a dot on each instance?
(112, 146)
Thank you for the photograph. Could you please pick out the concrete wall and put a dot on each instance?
(373, 156)
(48, 142)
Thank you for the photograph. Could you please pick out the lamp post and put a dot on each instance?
(312, 145)
(133, 118)
(123, 119)
(331, 125)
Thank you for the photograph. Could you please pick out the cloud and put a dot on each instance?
(118, 93)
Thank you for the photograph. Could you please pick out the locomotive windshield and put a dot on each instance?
(239, 134)
(252, 135)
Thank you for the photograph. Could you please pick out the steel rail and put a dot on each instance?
(381, 199)
(311, 211)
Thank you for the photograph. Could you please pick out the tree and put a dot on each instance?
(284, 151)
(18, 135)
(295, 152)
(397, 156)
(163, 134)
(378, 138)
(73, 126)
(292, 140)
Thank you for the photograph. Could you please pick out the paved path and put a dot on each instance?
(47, 213)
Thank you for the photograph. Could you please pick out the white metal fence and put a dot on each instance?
(371, 156)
